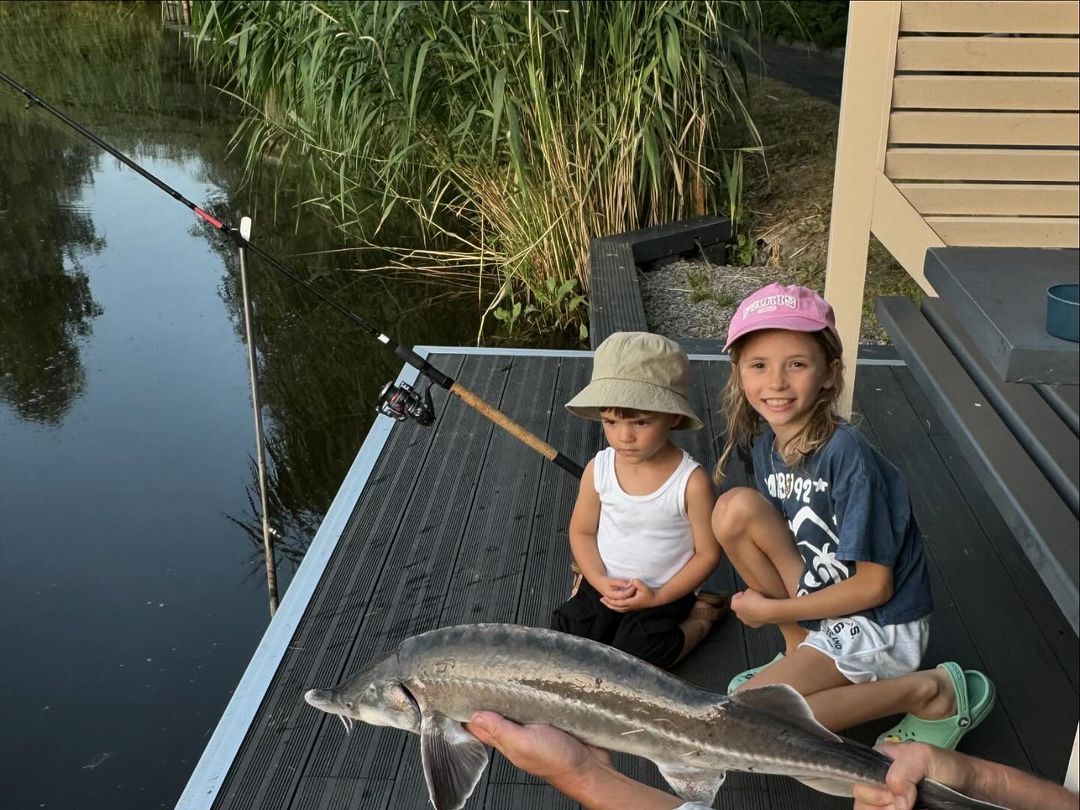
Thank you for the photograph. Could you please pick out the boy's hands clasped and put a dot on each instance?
(627, 595)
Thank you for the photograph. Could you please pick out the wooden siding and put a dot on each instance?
(974, 122)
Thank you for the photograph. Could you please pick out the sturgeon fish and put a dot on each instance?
(435, 681)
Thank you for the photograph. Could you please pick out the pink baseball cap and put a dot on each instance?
(778, 306)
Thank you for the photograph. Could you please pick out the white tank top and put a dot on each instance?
(646, 537)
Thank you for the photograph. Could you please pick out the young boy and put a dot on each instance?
(640, 531)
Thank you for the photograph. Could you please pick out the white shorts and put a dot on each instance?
(865, 651)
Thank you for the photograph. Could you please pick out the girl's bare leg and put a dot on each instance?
(761, 547)
(839, 704)
(928, 694)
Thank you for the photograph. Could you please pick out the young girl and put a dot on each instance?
(826, 541)
(640, 531)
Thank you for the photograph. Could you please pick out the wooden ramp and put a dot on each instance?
(460, 523)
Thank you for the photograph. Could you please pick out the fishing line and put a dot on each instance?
(397, 401)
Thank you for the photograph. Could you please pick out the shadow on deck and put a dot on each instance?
(460, 523)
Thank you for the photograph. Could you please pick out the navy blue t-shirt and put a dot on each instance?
(846, 503)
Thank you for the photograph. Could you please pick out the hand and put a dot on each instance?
(752, 608)
(637, 597)
(581, 772)
(612, 588)
(913, 763)
(977, 778)
(543, 751)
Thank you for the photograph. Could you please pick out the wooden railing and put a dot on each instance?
(959, 125)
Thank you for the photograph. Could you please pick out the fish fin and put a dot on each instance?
(834, 787)
(783, 701)
(692, 784)
(453, 760)
(936, 795)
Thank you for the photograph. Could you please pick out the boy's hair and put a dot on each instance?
(630, 413)
(744, 423)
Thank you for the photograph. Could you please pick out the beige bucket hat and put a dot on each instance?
(638, 371)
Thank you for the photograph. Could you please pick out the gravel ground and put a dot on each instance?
(696, 299)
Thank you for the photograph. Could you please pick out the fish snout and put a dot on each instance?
(319, 698)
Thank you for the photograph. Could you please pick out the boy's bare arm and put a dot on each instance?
(707, 552)
(584, 522)
(869, 587)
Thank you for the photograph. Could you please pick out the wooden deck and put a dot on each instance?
(460, 523)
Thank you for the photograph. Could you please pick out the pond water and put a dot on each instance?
(131, 573)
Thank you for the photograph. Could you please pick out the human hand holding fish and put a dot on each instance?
(913, 762)
(433, 683)
(580, 772)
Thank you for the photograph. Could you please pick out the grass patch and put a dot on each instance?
(702, 288)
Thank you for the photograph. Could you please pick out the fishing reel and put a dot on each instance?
(401, 402)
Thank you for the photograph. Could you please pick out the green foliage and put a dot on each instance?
(555, 307)
(823, 22)
(742, 249)
(513, 131)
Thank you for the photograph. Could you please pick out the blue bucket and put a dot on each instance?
(1062, 306)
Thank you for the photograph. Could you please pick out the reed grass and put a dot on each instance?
(513, 131)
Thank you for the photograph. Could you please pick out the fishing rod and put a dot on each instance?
(400, 401)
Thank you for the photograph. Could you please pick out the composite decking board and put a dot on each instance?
(409, 602)
(1049, 620)
(941, 513)
(1042, 522)
(488, 571)
(262, 775)
(616, 297)
(1032, 420)
(393, 482)
(1065, 400)
(399, 571)
(384, 515)
(546, 576)
(985, 597)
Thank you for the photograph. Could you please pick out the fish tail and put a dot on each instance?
(933, 795)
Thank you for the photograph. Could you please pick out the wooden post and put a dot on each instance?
(860, 156)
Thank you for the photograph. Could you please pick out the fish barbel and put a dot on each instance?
(436, 681)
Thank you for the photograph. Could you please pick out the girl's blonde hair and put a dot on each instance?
(744, 423)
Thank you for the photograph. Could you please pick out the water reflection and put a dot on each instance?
(319, 374)
(127, 487)
(45, 299)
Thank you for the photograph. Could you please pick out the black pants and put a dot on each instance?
(652, 634)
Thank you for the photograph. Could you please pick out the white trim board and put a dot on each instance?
(485, 350)
(218, 756)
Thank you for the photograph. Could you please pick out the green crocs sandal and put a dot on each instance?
(743, 677)
(975, 695)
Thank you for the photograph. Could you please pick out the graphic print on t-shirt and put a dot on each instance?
(822, 567)
(814, 535)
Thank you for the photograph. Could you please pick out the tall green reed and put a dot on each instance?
(514, 131)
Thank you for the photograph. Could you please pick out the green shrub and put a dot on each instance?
(516, 131)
